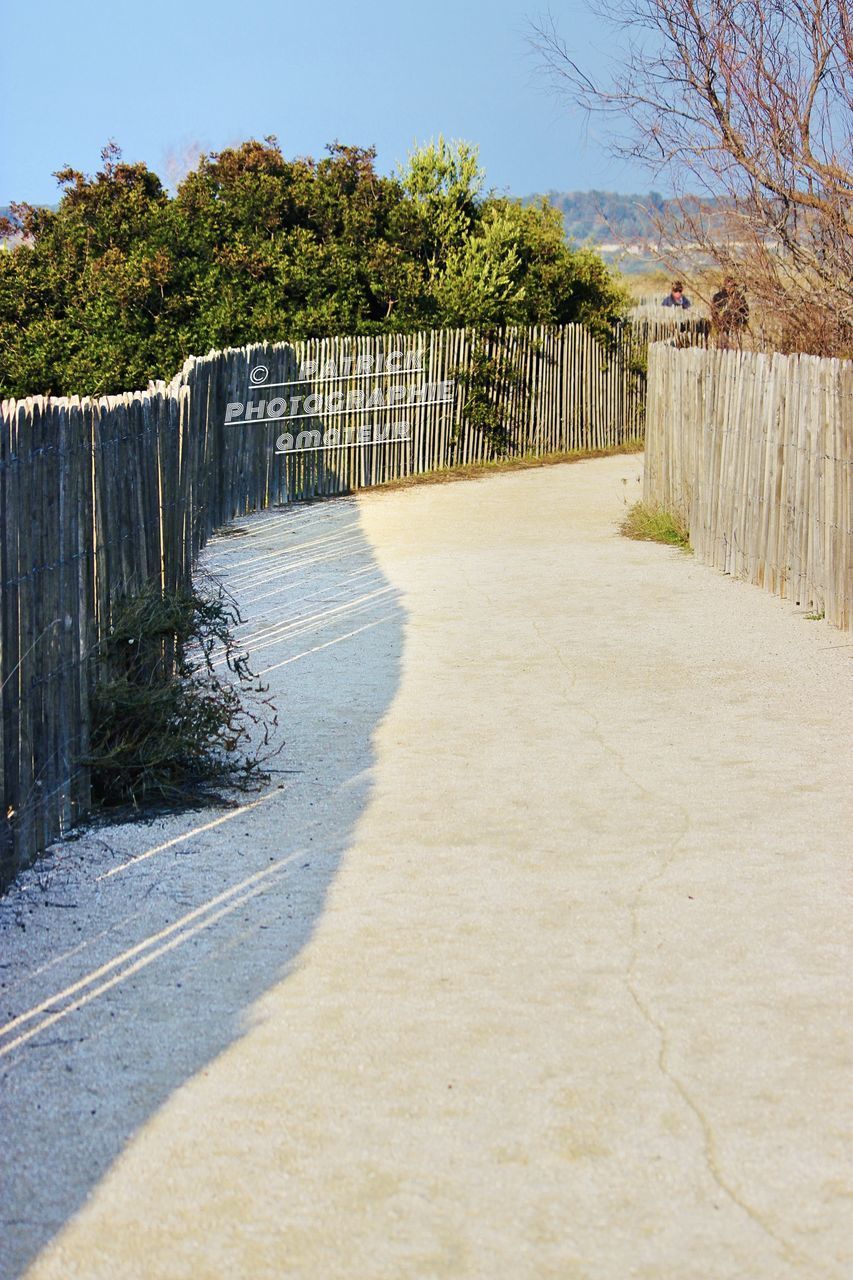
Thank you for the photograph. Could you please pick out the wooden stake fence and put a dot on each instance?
(101, 495)
(755, 453)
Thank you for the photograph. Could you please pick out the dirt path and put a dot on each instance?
(537, 969)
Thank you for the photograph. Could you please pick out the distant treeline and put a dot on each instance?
(122, 281)
(609, 217)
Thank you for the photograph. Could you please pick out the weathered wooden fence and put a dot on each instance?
(99, 495)
(755, 452)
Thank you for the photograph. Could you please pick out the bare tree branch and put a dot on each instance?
(751, 103)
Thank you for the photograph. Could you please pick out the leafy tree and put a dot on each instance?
(84, 291)
(121, 281)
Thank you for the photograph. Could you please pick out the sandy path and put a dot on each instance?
(574, 1005)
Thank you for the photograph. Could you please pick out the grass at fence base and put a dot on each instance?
(167, 727)
(523, 462)
(647, 522)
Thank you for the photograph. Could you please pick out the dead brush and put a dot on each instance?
(176, 711)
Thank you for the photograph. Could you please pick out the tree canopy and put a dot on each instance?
(122, 281)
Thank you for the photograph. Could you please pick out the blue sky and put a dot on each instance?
(167, 79)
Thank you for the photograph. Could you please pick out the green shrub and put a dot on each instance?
(122, 281)
(649, 522)
(166, 726)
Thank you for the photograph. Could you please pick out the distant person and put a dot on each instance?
(729, 309)
(675, 297)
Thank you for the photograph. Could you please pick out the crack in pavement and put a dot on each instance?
(666, 859)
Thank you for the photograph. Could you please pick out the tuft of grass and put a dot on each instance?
(174, 705)
(520, 462)
(816, 617)
(648, 522)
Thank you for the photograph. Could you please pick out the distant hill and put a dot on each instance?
(622, 226)
(606, 217)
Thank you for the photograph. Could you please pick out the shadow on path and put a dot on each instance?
(130, 956)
